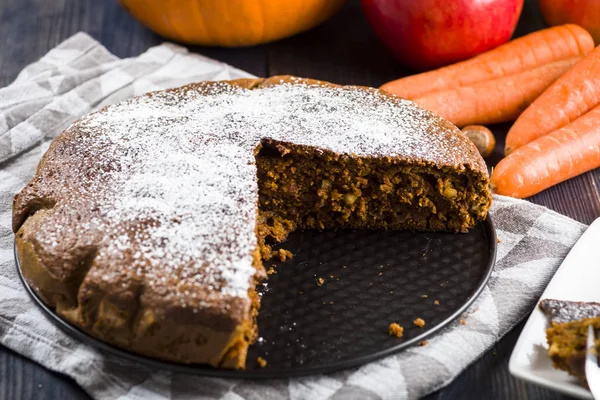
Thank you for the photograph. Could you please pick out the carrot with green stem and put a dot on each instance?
(527, 52)
(496, 100)
(551, 159)
(571, 96)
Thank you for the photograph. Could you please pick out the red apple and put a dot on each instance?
(425, 34)
(585, 13)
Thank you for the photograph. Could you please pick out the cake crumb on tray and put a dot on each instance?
(419, 322)
(395, 330)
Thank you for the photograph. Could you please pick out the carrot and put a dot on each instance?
(551, 159)
(571, 96)
(497, 100)
(527, 52)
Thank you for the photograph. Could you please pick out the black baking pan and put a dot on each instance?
(329, 307)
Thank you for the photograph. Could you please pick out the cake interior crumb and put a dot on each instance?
(567, 344)
(284, 255)
(305, 188)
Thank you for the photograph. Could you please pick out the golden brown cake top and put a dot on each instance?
(163, 186)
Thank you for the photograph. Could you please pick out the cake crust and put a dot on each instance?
(140, 225)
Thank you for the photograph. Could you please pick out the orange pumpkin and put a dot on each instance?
(230, 23)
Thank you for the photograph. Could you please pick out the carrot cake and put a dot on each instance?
(567, 335)
(147, 222)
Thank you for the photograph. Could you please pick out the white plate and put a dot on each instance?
(576, 280)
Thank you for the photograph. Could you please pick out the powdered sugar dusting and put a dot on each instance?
(175, 173)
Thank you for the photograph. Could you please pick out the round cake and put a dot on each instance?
(147, 222)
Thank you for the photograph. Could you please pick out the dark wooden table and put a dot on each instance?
(343, 50)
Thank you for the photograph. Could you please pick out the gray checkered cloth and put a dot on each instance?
(79, 76)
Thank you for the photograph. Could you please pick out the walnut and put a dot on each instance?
(350, 198)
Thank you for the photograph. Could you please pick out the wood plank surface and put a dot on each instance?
(343, 50)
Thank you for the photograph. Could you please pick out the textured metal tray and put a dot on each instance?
(370, 279)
